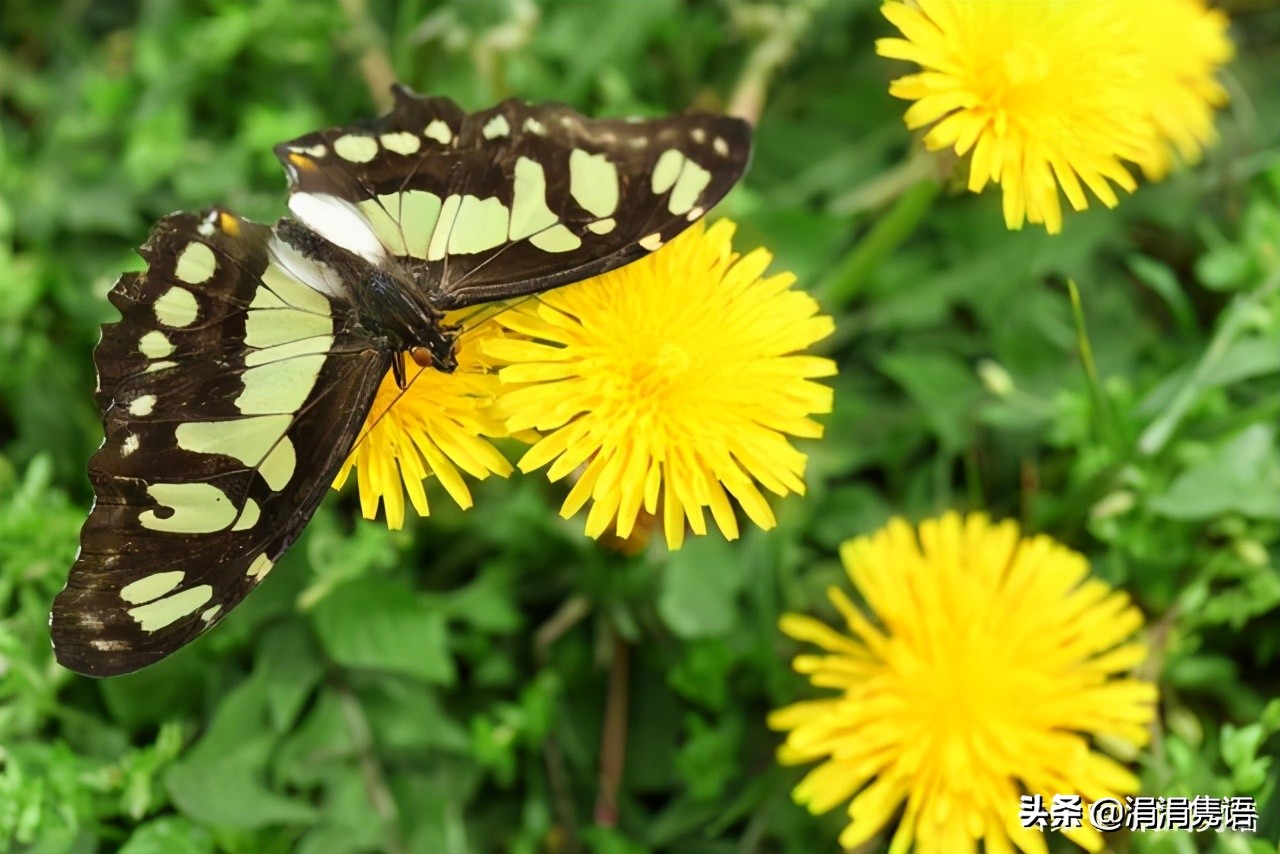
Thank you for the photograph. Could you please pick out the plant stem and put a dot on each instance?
(1101, 405)
(375, 782)
(561, 795)
(782, 29)
(375, 64)
(890, 231)
(613, 739)
(1234, 321)
(569, 614)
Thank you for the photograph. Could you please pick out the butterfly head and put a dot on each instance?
(446, 361)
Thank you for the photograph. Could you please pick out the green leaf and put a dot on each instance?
(944, 388)
(700, 586)
(708, 758)
(289, 666)
(169, 835)
(1242, 476)
(374, 624)
(221, 781)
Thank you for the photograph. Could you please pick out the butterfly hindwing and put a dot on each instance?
(511, 200)
(232, 389)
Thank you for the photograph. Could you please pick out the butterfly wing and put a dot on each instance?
(511, 200)
(232, 389)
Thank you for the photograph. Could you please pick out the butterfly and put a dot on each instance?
(246, 356)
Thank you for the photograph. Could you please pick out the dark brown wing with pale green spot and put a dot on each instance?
(515, 199)
(231, 389)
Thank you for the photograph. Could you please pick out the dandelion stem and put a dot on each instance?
(613, 739)
(890, 231)
(781, 28)
(569, 614)
(561, 795)
(1100, 403)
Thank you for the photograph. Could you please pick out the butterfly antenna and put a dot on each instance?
(494, 310)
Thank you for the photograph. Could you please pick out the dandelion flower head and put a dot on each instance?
(1183, 47)
(1049, 94)
(675, 381)
(436, 426)
(982, 668)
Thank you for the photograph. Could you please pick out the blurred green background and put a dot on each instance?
(444, 688)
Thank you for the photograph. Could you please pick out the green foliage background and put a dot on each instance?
(445, 688)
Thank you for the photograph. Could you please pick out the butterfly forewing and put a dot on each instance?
(511, 200)
(231, 392)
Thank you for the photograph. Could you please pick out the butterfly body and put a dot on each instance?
(247, 356)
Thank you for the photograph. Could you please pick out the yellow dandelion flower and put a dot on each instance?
(982, 669)
(1183, 47)
(675, 381)
(435, 426)
(1050, 94)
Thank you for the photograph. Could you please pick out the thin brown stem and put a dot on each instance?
(613, 740)
(1158, 638)
(569, 614)
(561, 796)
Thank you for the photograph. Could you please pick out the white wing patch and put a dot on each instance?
(279, 387)
(692, 181)
(438, 130)
(684, 178)
(169, 610)
(496, 127)
(355, 148)
(338, 221)
(401, 143)
(299, 281)
(248, 440)
(248, 516)
(155, 345)
(142, 405)
(151, 587)
(259, 568)
(440, 234)
(481, 224)
(666, 171)
(196, 264)
(404, 221)
(529, 211)
(194, 508)
(593, 182)
(279, 465)
(556, 239)
(177, 307)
